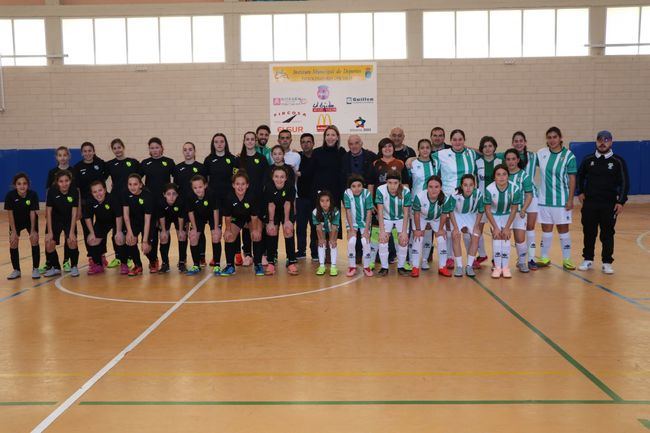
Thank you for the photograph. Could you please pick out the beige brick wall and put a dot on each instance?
(48, 107)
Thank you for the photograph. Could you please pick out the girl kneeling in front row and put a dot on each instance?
(327, 220)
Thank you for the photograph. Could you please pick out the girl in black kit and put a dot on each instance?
(22, 206)
(202, 209)
(88, 170)
(102, 213)
(279, 201)
(137, 209)
(256, 166)
(62, 207)
(171, 210)
(241, 209)
(157, 172)
(220, 165)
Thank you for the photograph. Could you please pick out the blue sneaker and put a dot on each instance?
(193, 270)
(228, 271)
(259, 270)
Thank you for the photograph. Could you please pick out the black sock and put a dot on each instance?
(196, 254)
(53, 260)
(164, 252)
(202, 244)
(119, 253)
(182, 251)
(271, 248)
(216, 253)
(66, 250)
(36, 256)
(258, 250)
(231, 250)
(15, 258)
(291, 250)
(95, 253)
(134, 254)
(74, 257)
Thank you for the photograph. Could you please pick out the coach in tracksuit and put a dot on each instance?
(603, 185)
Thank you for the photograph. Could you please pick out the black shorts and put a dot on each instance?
(102, 230)
(240, 222)
(168, 225)
(59, 228)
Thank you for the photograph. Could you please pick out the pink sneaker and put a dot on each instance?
(450, 264)
(367, 272)
(95, 269)
(124, 269)
(496, 273)
(506, 273)
(352, 271)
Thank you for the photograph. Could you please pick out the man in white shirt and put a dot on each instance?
(291, 158)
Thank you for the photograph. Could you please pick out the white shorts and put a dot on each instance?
(519, 223)
(534, 205)
(398, 225)
(484, 218)
(465, 220)
(502, 220)
(554, 215)
(435, 224)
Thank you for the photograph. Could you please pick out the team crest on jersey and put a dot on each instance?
(228, 160)
(246, 205)
(284, 194)
(69, 199)
(175, 208)
(205, 203)
(195, 170)
(610, 166)
(96, 167)
(257, 161)
(141, 201)
(107, 206)
(128, 163)
(164, 163)
(28, 202)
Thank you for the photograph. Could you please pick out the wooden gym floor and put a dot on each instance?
(551, 351)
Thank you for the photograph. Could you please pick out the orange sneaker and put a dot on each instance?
(136, 270)
(415, 272)
(444, 272)
(154, 267)
(239, 260)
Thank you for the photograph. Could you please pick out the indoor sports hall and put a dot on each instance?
(259, 291)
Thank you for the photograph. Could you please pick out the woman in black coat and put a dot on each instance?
(328, 166)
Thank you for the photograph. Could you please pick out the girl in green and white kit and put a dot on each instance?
(358, 205)
(327, 220)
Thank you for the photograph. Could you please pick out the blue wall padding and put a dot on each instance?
(35, 162)
(636, 155)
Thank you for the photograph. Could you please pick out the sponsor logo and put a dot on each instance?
(290, 100)
(323, 121)
(359, 100)
(360, 125)
(323, 107)
(323, 92)
(290, 120)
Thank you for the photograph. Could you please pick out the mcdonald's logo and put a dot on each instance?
(324, 120)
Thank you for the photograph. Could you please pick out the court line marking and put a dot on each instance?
(627, 299)
(27, 403)
(113, 362)
(639, 241)
(600, 384)
(27, 289)
(60, 286)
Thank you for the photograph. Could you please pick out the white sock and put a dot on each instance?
(496, 252)
(366, 252)
(547, 238)
(427, 245)
(442, 251)
(321, 255)
(467, 239)
(416, 250)
(333, 255)
(459, 262)
(449, 243)
(505, 254)
(374, 249)
(352, 252)
(383, 255)
(470, 260)
(481, 247)
(565, 242)
(532, 244)
(401, 255)
(521, 252)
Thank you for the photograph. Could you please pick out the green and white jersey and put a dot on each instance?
(431, 211)
(485, 170)
(359, 205)
(523, 182)
(331, 218)
(393, 205)
(471, 204)
(531, 169)
(501, 201)
(453, 165)
(421, 171)
(554, 170)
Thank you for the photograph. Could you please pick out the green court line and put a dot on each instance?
(645, 423)
(599, 383)
(365, 403)
(27, 403)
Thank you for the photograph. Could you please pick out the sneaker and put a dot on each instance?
(458, 272)
(239, 260)
(228, 271)
(36, 274)
(476, 265)
(14, 274)
(444, 272)
(367, 272)
(95, 269)
(333, 271)
(403, 272)
(449, 264)
(124, 269)
(182, 267)
(496, 273)
(153, 267)
(248, 260)
(135, 271)
(314, 258)
(568, 265)
(607, 269)
(193, 270)
(469, 271)
(415, 272)
(481, 259)
(372, 266)
(321, 270)
(52, 272)
(408, 266)
(66, 266)
(259, 270)
(352, 271)
(425, 266)
(90, 262)
(506, 273)
(586, 265)
(216, 270)
(114, 263)
(104, 261)
(130, 264)
(74, 271)
(42, 269)
(523, 267)
(164, 268)
(292, 269)
(270, 269)
(301, 256)
(543, 262)
(383, 272)
(532, 265)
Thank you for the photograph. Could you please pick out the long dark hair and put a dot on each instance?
(243, 153)
(459, 190)
(524, 159)
(212, 149)
(320, 213)
(557, 131)
(441, 196)
(520, 164)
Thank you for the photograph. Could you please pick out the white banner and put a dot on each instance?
(310, 97)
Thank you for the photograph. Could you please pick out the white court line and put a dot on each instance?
(223, 301)
(113, 362)
(639, 241)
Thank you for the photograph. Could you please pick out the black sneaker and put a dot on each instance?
(182, 268)
(403, 272)
(164, 268)
(383, 272)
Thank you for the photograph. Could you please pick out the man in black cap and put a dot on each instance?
(602, 184)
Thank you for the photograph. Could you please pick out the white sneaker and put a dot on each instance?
(52, 272)
(586, 265)
(36, 274)
(13, 275)
(607, 269)
(425, 265)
